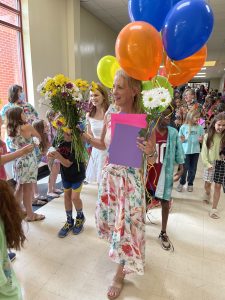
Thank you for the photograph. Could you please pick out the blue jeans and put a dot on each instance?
(190, 167)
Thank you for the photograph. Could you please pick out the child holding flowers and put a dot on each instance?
(73, 174)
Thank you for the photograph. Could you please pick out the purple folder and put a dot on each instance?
(123, 149)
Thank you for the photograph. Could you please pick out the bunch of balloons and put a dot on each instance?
(168, 32)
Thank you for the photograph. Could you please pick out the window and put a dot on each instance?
(11, 47)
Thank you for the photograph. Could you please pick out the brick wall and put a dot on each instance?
(9, 61)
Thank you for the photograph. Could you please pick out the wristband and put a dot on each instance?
(152, 154)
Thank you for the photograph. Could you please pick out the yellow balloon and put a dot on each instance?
(106, 70)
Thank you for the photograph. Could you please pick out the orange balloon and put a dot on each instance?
(181, 71)
(139, 50)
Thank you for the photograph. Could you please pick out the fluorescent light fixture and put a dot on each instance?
(202, 73)
(199, 76)
(210, 63)
(161, 67)
(205, 69)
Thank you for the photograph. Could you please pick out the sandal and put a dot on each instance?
(36, 217)
(58, 191)
(41, 197)
(115, 288)
(39, 202)
(52, 195)
(214, 213)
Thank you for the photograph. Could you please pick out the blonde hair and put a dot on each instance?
(189, 118)
(191, 115)
(133, 84)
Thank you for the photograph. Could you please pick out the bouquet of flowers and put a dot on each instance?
(155, 99)
(69, 98)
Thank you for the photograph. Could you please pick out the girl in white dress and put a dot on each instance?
(94, 119)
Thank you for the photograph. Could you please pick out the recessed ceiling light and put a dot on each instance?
(210, 63)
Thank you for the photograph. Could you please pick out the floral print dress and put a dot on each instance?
(25, 167)
(120, 213)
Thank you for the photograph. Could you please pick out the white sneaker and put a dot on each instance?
(190, 188)
(214, 214)
(179, 188)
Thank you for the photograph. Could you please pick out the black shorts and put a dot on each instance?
(219, 174)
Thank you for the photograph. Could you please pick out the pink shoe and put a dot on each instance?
(154, 203)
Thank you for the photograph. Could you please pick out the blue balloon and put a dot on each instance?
(187, 28)
(150, 11)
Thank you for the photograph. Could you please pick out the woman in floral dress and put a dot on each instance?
(120, 212)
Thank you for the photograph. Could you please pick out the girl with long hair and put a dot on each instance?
(94, 120)
(11, 236)
(213, 159)
(25, 168)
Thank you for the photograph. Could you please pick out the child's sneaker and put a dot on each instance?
(179, 188)
(12, 256)
(63, 232)
(190, 188)
(214, 213)
(165, 241)
(79, 225)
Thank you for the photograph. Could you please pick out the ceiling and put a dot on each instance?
(114, 13)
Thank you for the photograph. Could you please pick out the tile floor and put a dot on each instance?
(77, 267)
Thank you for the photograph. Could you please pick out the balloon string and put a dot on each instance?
(176, 67)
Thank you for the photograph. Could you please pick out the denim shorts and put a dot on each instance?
(75, 186)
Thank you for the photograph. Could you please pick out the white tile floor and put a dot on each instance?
(78, 267)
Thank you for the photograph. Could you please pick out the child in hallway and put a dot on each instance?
(213, 160)
(55, 166)
(25, 168)
(160, 176)
(72, 179)
(11, 236)
(191, 135)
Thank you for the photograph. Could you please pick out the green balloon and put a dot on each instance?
(156, 82)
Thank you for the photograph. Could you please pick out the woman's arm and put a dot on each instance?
(96, 143)
(89, 131)
(11, 156)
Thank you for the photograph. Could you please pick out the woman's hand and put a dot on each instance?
(146, 146)
(27, 149)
